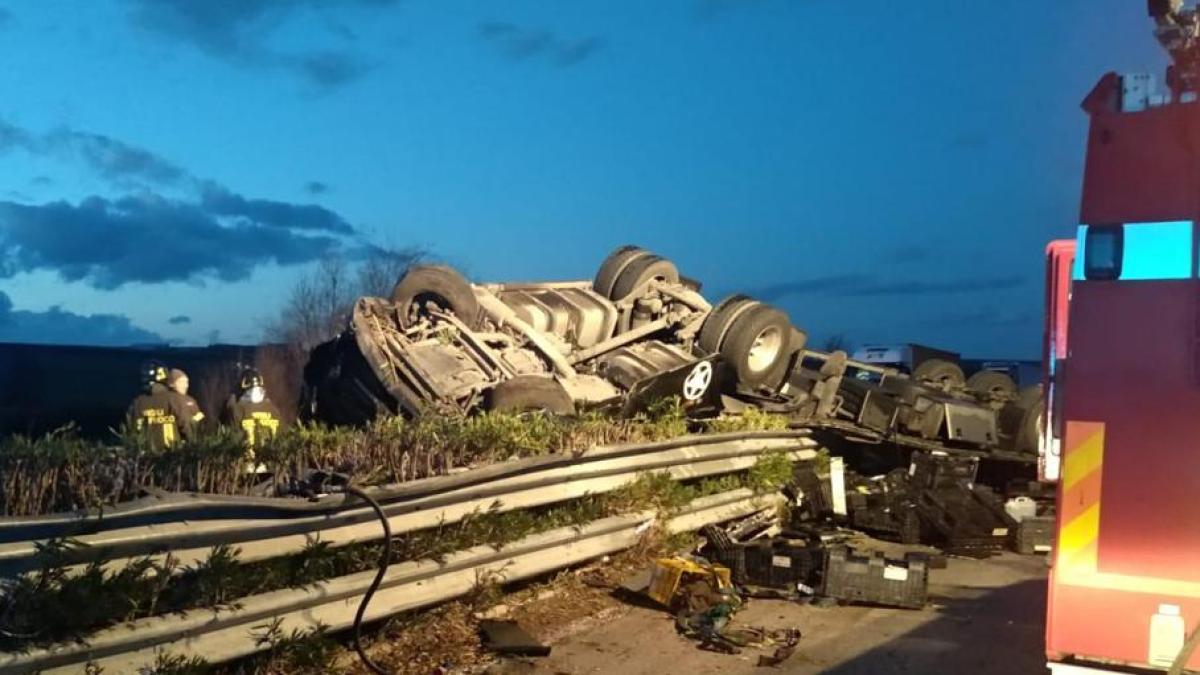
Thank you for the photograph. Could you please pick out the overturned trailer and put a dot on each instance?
(638, 332)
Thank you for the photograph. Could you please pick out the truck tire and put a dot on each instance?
(438, 284)
(613, 265)
(1030, 396)
(939, 372)
(640, 271)
(1030, 432)
(993, 384)
(758, 345)
(716, 325)
(528, 393)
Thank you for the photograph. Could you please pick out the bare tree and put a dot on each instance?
(380, 271)
(317, 309)
(321, 301)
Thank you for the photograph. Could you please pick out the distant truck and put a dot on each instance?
(930, 364)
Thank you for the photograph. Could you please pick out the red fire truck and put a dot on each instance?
(1123, 411)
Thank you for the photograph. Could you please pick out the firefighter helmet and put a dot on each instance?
(154, 371)
(250, 379)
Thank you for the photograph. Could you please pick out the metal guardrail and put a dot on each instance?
(188, 526)
(226, 634)
(341, 520)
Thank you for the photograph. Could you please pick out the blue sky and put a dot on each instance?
(890, 171)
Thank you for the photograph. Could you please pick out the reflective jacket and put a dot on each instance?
(163, 416)
(258, 421)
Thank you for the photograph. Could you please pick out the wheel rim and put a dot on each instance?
(765, 351)
(419, 307)
(697, 381)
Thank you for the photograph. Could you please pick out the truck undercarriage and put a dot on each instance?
(637, 333)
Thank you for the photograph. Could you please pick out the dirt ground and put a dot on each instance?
(983, 617)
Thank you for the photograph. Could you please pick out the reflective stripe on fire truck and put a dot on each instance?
(1076, 562)
(1083, 461)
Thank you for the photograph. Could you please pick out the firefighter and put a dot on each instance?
(158, 414)
(250, 411)
(178, 381)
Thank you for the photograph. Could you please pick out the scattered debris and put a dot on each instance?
(875, 579)
(790, 639)
(1036, 535)
(670, 575)
(507, 637)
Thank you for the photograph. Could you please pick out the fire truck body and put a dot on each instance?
(1123, 407)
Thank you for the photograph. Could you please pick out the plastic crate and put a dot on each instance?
(781, 563)
(939, 470)
(722, 550)
(816, 500)
(898, 521)
(871, 578)
(1035, 535)
(965, 520)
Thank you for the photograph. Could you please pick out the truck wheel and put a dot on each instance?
(526, 393)
(716, 325)
(1030, 396)
(1030, 432)
(939, 372)
(439, 285)
(640, 271)
(758, 344)
(613, 265)
(993, 384)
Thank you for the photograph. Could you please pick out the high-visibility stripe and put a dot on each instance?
(1076, 555)
(1084, 459)
(1079, 503)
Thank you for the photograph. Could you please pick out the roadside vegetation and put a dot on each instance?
(61, 472)
(55, 603)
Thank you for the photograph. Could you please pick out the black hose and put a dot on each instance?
(384, 560)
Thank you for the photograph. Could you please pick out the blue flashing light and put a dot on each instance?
(1158, 251)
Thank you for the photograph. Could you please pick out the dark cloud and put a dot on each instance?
(41, 181)
(239, 31)
(179, 320)
(213, 232)
(219, 201)
(331, 69)
(113, 159)
(108, 157)
(519, 43)
(58, 326)
(316, 187)
(861, 285)
(148, 238)
(831, 285)
(12, 136)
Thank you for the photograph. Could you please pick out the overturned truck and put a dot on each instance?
(638, 332)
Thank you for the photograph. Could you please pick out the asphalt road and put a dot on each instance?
(984, 617)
